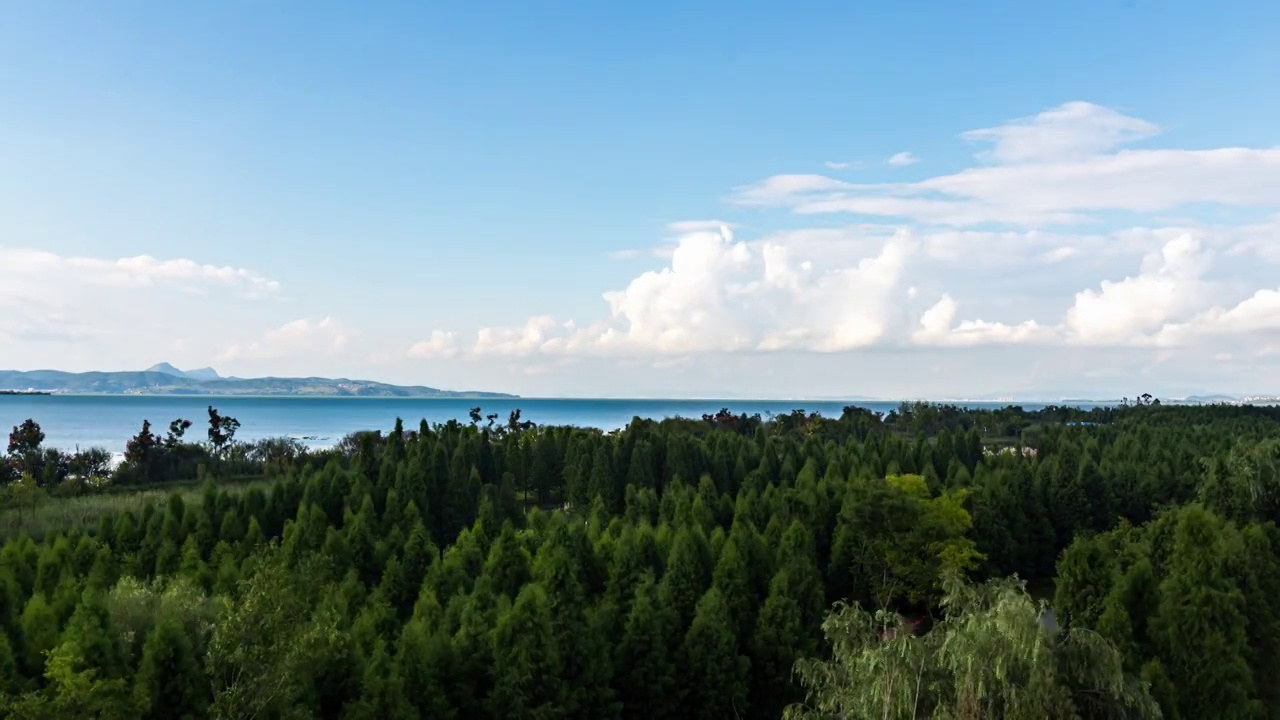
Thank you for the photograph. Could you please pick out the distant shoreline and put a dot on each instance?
(255, 396)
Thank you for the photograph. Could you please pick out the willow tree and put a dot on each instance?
(989, 657)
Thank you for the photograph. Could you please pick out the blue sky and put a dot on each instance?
(331, 185)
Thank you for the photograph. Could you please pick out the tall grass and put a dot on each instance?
(55, 514)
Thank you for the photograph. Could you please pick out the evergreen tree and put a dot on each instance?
(169, 682)
(713, 675)
(1200, 625)
(646, 655)
(526, 660)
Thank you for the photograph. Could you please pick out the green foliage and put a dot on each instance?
(990, 656)
(682, 568)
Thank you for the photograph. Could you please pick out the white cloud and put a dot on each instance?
(17, 264)
(517, 342)
(441, 344)
(1257, 314)
(299, 338)
(1059, 168)
(836, 165)
(721, 295)
(932, 211)
(1257, 239)
(683, 227)
(841, 290)
(938, 327)
(1052, 255)
(903, 159)
(785, 189)
(93, 313)
(1069, 131)
(662, 251)
(1168, 286)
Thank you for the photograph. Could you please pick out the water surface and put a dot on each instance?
(108, 421)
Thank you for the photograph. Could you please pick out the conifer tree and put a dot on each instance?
(1200, 625)
(169, 682)
(527, 663)
(646, 656)
(714, 675)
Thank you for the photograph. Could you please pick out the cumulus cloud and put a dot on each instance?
(938, 327)
(299, 338)
(903, 159)
(1257, 314)
(1022, 250)
(441, 344)
(1168, 286)
(723, 295)
(518, 342)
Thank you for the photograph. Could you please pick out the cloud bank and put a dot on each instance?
(1065, 237)
(1035, 206)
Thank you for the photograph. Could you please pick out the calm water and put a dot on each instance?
(109, 421)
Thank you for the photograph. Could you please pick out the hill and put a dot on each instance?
(165, 379)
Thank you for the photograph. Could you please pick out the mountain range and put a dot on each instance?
(165, 379)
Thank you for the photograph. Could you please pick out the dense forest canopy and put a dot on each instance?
(864, 566)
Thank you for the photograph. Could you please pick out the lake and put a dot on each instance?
(108, 421)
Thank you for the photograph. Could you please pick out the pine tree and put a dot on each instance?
(39, 626)
(527, 663)
(9, 678)
(688, 572)
(381, 690)
(424, 661)
(1200, 626)
(646, 654)
(508, 564)
(713, 675)
(733, 579)
(169, 682)
(778, 641)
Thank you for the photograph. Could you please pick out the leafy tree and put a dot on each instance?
(177, 429)
(25, 447)
(263, 640)
(990, 656)
(222, 430)
(141, 451)
(72, 691)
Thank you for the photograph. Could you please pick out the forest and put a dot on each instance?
(933, 562)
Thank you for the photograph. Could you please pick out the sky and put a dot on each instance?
(661, 199)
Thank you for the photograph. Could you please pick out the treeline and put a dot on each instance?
(684, 568)
(149, 458)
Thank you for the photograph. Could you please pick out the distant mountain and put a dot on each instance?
(165, 368)
(1211, 399)
(207, 373)
(165, 379)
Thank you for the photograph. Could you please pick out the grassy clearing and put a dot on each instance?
(54, 514)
